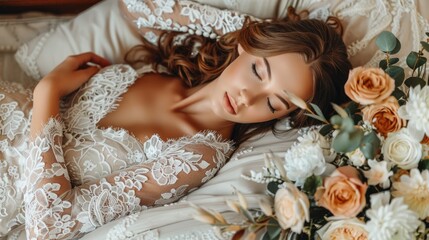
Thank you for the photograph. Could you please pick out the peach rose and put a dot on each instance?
(342, 193)
(352, 229)
(369, 85)
(384, 116)
(292, 208)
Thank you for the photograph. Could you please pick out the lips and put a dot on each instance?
(229, 104)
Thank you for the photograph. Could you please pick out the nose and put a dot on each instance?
(246, 97)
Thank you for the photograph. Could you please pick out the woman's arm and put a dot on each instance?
(150, 18)
(55, 210)
(63, 80)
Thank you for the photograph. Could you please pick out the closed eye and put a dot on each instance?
(272, 109)
(255, 72)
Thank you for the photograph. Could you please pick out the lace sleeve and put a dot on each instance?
(151, 16)
(55, 210)
(100, 95)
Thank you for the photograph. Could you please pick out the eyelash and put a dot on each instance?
(273, 110)
(259, 77)
(255, 72)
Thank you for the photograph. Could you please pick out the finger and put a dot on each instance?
(85, 74)
(89, 57)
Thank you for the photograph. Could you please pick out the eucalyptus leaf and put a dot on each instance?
(318, 111)
(414, 81)
(414, 61)
(326, 129)
(397, 47)
(348, 125)
(386, 41)
(397, 73)
(425, 45)
(340, 110)
(370, 145)
(346, 142)
(424, 164)
(336, 120)
(383, 63)
(398, 93)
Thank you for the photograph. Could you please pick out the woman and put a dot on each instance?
(98, 146)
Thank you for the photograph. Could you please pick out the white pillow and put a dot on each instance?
(100, 29)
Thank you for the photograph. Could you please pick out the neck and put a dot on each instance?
(197, 105)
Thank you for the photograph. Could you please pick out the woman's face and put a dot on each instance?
(251, 89)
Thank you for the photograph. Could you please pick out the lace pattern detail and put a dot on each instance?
(92, 103)
(201, 19)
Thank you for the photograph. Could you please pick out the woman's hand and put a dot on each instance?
(71, 74)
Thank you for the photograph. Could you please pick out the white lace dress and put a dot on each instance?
(75, 177)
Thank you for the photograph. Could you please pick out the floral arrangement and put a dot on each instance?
(363, 174)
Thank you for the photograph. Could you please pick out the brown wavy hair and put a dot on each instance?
(319, 42)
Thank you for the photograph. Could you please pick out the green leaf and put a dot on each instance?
(398, 93)
(397, 73)
(272, 188)
(318, 111)
(357, 118)
(352, 108)
(414, 81)
(386, 41)
(315, 117)
(311, 184)
(414, 61)
(340, 110)
(346, 142)
(273, 229)
(370, 145)
(397, 47)
(424, 164)
(348, 125)
(383, 63)
(425, 45)
(427, 34)
(266, 236)
(336, 120)
(326, 129)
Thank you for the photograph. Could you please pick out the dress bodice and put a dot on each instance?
(108, 168)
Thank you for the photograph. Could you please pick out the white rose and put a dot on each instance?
(402, 149)
(351, 228)
(303, 160)
(291, 208)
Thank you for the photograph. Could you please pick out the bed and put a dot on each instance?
(29, 38)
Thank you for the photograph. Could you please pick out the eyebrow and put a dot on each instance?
(283, 101)
(267, 64)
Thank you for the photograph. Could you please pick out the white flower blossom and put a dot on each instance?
(401, 149)
(416, 111)
(356, 157)
(378, 174)
(303, 160)
(392, 220)
(415, 191)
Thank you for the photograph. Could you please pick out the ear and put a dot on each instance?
(240, 49)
